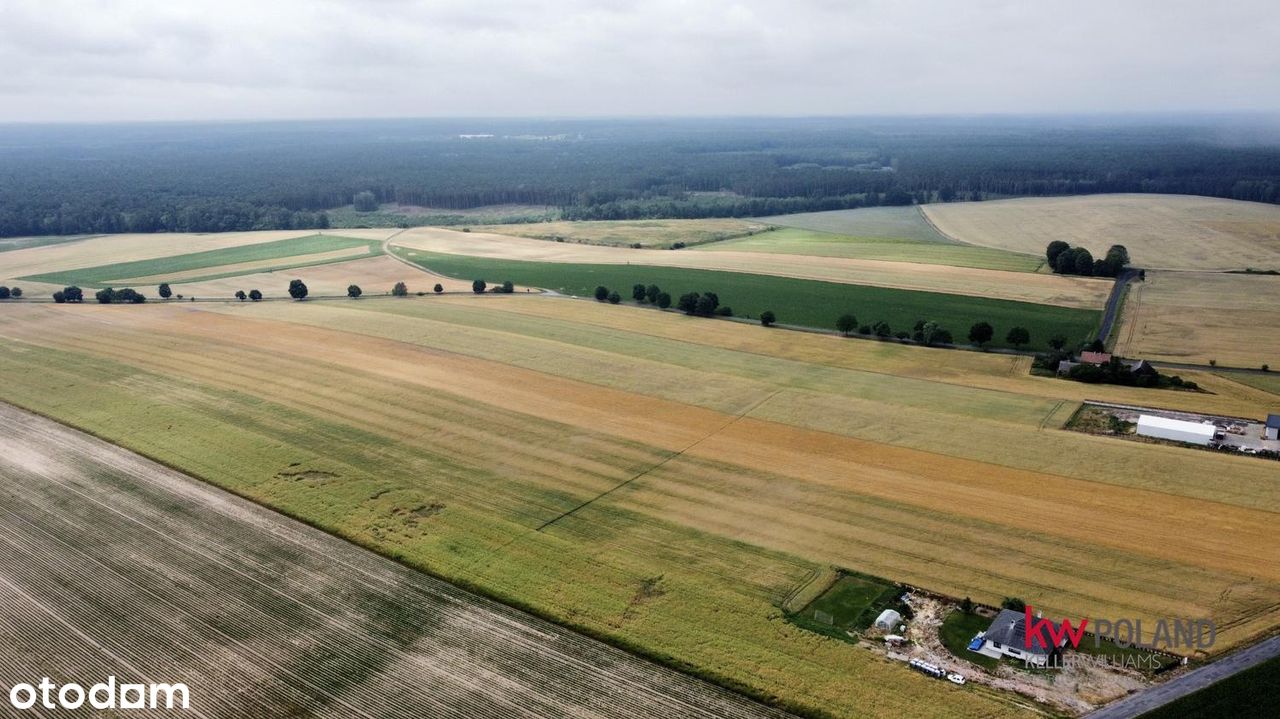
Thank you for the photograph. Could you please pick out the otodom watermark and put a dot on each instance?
(109, 694)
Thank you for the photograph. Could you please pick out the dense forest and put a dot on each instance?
(78, 179)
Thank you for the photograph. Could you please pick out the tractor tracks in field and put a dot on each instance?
(675, 455)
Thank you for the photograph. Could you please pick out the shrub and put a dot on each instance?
(651, 293)
(846, 324)
(981, 333)
(354, 291)
(508, 287)
(73, 293)
(240, 295)
(639, 293)
(164, 291)
(602, 293)
(881, 329)
(400, 289)
(478, 286)
(255, 295)
(59, 297)
(767, 318)
(438, 288)
(15, 292)
(4, 292)
(664, 300)
(724, 311)
(864, 330)
(297, 289)
(614, 298)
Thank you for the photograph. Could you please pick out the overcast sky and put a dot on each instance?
(83, 60)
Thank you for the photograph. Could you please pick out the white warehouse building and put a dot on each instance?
(1175, 429)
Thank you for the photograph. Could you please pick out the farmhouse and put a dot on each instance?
(1007, 637)
(1272, 428)
(1175, 429)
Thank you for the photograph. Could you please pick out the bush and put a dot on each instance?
(724, 311)
(508, 287)
(981, 333)
(478, 286)
(639, 293)
(4, 292)
(602, 293)
(164, 291)
(651, 293)
(73, 294)
(297, 289)
(240, 295)
(438, 288)
(767, 318)
(354, 291)
(255, 295)
(864, 330)
(664, 300)
(1014, 603)
(400, 289)
(846, 324)
(614, 298)
(59, 297)
(881, 329)
(15, 292)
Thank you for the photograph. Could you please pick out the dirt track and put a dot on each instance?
(113, 565)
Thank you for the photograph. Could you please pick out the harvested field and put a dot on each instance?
(1196, 317)
(1073, 292)
(660, 234)
(903, 223)
(1176, 232)
(116, 566)
(374, 275)
(795, 241)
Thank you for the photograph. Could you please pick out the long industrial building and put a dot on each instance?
(1175, 429)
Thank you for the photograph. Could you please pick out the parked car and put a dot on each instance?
(955, 678)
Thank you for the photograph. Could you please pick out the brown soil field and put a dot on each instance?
(1079, 536)
(375, 275)
(1045, 289)
(116, 566)
(1196, 317)
(1176, 232)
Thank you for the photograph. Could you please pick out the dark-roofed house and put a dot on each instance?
(1272, 430)
(1007, 637)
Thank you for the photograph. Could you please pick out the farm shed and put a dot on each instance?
(1175, 429)
(1272, 430)
(888, 620)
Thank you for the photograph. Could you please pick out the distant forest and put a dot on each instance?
(88, 179)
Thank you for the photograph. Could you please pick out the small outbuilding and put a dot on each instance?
(888, 620)
(1175, 429)
(1272, 429)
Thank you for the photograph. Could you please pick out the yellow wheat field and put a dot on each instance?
(1196, 317)
(1178, 232)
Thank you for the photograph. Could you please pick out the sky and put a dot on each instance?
(97, 61)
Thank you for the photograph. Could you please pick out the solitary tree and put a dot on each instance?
(651, 293)
(478, 287)
(664, 300)
(73, 294)
(847, 324)
(438, 288)
(354, 291)
(297, 289)
(240, 295)
(399, 290)
(981, 333)
(255, 295)
(164, 291)
(602, 293)
(614, 298)
(639, 293)
(767, 318)
(1018, 336)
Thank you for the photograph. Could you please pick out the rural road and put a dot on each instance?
(1144, 701)
(1113, 302)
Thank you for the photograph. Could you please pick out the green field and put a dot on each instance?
(1254, 692)
(799, 241)
(22, 243)
(805, 303)
(900, 223)
(291, 253)
(1265, 382)
(958, 629)
(852, 602)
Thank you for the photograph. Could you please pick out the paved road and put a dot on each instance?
(1144, 701)
(1113, 302)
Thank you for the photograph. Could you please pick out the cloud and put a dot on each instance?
(148, 59)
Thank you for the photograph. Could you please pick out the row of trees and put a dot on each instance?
(1067, 260)
(929, 333)
(7, 292)
(128, 295)
(651, 294)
